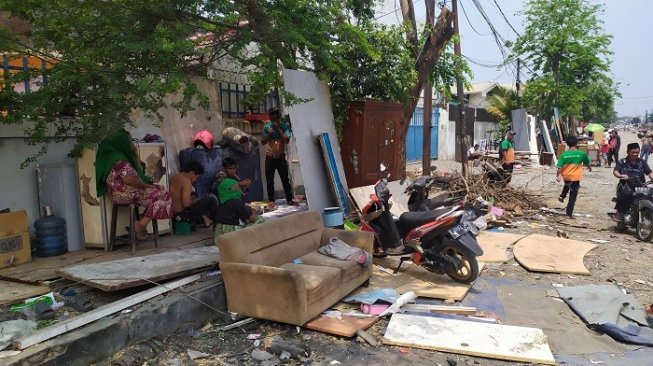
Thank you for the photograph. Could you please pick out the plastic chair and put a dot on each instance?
(133, 216)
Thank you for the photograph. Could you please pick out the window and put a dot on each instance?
(12, 65)
(232, 96)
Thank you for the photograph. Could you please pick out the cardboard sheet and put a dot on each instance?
(496, 341)
(495, 245)
(345, 327)
(542, 253)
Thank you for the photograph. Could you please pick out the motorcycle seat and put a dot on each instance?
(413, 219)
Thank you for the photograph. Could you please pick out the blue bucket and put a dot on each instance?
(332, 217)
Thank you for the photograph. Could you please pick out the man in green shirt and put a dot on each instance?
(507, 154)
(570, 168)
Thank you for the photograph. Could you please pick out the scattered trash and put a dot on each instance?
(373, 309)
(194, 355)
(334, 362)
(557, 284)
(257, 343)
(497, 211)
(403, 350)
(598, 241)
(213, 274)
(260, 355)
(193, 333)
(285, 355)
(278, 346)
(335, 314)
(389, 295)
(367, 337)
(402, 300)
(126, 311)
(253, 336)
(451, 361)
(8, 353)
(238, 323)
(561, 234)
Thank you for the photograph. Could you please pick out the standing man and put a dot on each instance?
(184, 206)
(614, 144)
(570, 167)
(507, 153)
(276, 136)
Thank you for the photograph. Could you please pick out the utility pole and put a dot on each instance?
(518, 84)
(426, 141)
(461, 129)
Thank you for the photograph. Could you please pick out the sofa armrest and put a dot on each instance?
(265, 292)
(359, 239)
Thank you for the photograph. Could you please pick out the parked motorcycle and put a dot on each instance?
(418, 195)
(440, 240)
(639, 215)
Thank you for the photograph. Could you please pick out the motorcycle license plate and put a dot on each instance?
(469, 215)
(458, 230)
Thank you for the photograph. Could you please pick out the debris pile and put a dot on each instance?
(479, 187)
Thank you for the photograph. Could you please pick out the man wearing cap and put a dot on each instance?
(276, 136)
(632, 172)
(508, 155)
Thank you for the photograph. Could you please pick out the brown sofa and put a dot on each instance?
(263, 282)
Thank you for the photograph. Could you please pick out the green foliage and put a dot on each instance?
(110, 58)
(567, 50)
(502, 102)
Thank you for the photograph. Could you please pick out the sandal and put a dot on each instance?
(139, 236)
(43, 311)
(79, 302)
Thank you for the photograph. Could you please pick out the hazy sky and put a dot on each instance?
(626, 20)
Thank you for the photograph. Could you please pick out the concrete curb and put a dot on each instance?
(158, 317)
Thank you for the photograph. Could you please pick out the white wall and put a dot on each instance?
(18, 189)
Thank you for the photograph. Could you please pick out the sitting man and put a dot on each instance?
(186, 207)
(632, 172)
(234, 213)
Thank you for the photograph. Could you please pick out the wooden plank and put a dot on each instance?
(135, 271)
(542, 253)
(93, 315)
(11, 292)
(462, 310)
(345, 327)
(504, 342)
(436, 286)
(495, 245)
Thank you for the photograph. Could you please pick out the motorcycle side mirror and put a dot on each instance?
(383, 167)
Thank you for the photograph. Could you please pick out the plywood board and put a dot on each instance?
(495, 245)
(398, 200)
(496, 341)
(417, 279)
(310, 120)
(542, 253)
(345, 327)
(135, 271)
(11, 292)
(43, 269)
(437, 286)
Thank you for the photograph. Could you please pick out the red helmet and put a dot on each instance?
(203, 138)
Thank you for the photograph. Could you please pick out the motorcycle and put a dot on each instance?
(440, 240)
(418, 195)
(639, 215)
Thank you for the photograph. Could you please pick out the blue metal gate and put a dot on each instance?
(414, 137)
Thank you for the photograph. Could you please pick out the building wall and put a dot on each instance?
(18, 188)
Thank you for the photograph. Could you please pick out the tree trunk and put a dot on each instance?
(437, 39)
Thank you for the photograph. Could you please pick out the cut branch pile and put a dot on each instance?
(479, 186)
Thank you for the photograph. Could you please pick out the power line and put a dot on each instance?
(470, 23)
(480, 63)
(393, 11)
(506, 18)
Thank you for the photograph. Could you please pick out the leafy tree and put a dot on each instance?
(109, 58)
(567, 50)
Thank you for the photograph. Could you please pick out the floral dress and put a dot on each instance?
(157, 201)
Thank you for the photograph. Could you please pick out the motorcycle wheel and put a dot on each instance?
(644, 227)
(469, 268)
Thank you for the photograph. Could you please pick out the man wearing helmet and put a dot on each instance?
(276, 135)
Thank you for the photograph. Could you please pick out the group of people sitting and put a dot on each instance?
(120, 173)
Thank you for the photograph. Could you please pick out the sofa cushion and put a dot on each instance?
(275, 242)
(348, 269)
(319, 281)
